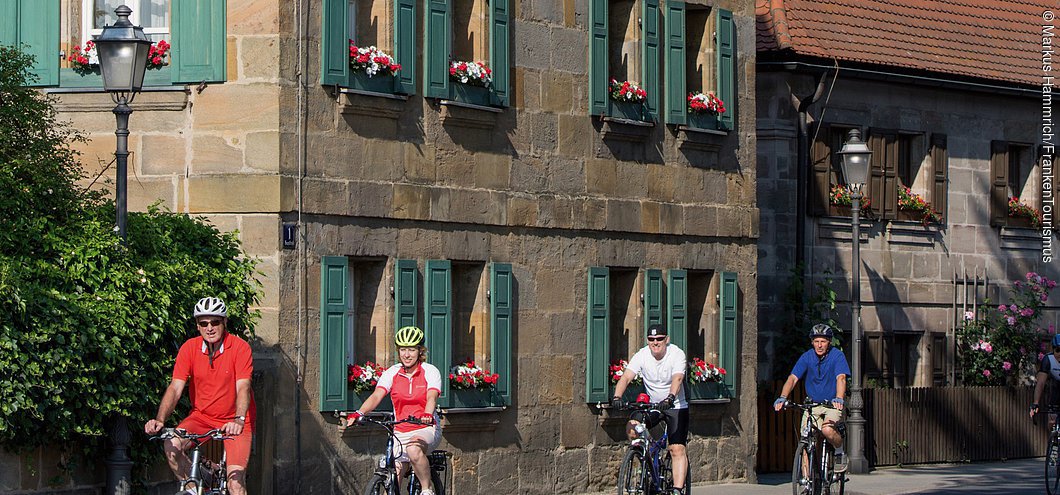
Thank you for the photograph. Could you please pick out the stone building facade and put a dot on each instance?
(372, 204)
(953, 126)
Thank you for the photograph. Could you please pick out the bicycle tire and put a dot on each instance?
(376, 485)
(631, 475)
(797, 487)
(1052, 465)
(668, 475)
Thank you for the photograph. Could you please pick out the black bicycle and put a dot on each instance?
(647, 468)
(1052, 455)
(206, 477)
(812, 470)
(385, 480)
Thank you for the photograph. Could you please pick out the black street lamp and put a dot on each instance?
(123, 50)
(856, 173)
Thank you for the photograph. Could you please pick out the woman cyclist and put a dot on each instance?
(414, 386)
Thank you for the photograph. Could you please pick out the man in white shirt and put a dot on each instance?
(662, 366)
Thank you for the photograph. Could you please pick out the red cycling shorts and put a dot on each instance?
(237, 449)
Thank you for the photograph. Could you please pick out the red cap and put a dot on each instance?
(643, 398)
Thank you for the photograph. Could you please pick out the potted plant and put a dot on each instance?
(362, 379)
(704, 110)
(627, 99)
(912, 206)
(840, 200)
(473, 82)
(635, 388)
(372, 69)
(1023, 215)
(472, 386)
(704, 380)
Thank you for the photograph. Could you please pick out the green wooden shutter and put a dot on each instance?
(940, 169)
(334, 43)
(877, 164)
(998, 183)
(677, 310)
(38, 35)
(500, 48)
(406, 294)
(199, 40)
(599, 75)
(438, 319)
(653, 295)
(676, 108)
(334, 291)
(9, 22)
(821, 163)
(405, 45)
(437, 41)
(501, 314)
(650, 55)
(729, 312)
(598, 345)
(726, 50)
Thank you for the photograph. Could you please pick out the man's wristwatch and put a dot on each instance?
(241, 418)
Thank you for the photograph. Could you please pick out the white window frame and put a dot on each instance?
(88, 32)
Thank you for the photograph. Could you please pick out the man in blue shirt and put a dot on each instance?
(825, 373)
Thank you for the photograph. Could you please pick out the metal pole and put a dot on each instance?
(119, 465)
(121, 113)
(856, 421)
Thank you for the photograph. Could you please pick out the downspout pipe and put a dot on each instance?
(803, 174)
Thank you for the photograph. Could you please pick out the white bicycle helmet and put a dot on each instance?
(211, 306)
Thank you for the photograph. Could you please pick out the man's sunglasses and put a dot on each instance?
(208, 323)
(656, 339)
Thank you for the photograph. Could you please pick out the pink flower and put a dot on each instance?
(1002, 308)
(987, 348)
(1011, 320)
(986, 373)
(1006, 365)
(1027, 312)
(969, 315)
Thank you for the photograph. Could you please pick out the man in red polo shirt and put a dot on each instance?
(216, 367)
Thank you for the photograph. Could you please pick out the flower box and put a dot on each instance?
(468, 93)
(474, 397)
(1021, 222)
(702, 120)
(355, 399)
(627, 110)
(705, 390)
(379, 83)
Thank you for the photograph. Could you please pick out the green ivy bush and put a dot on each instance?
(89, 327)
(803, 308)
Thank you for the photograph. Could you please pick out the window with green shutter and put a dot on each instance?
(502, 314)
(624, 45)
(598, 345)
(360, 22)
(465, 32)
(728, 329)
(334, 300)
(438, 319)
(700, 60)
(33, 26)
(653, 298)
(677, 308)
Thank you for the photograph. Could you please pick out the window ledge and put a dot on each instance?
(839, 228)
(170, 98)
(709, 401)
(1021, 238)
(697, 130)
(371, 103)
(913, 233)
(146, 89)
(470, 115)
(470, 423)
(625, 129)
(701, 139)
(464, 410)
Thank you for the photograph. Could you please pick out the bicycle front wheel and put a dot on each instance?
(801, 471)
(1052, 465)
(377, 485)
(631, 474)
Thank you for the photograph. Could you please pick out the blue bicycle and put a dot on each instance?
(646, 468)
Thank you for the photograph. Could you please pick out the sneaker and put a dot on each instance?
(678, 491)
(427, 492)
(840, 462)
(637, 442)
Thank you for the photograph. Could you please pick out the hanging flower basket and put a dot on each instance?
(917, 208)
(471, 73)
(1023, 215)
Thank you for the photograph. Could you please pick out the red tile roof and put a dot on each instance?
(998, 40)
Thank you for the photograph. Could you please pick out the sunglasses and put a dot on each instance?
(656, 339)
(208, 323)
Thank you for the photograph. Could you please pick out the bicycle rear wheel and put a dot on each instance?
(668, 476)
(631, 479)
(1052, 465)
(802, 479)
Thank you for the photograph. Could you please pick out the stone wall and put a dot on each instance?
(907, 269)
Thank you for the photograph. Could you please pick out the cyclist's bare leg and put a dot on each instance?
(177, 458)
(832, 434)
(237, 476)
(417, 451)
(679, 464)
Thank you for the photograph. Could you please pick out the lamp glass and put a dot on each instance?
(856, 155)
(123, 50)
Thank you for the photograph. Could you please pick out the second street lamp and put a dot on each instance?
(123, 50)
(856, 157)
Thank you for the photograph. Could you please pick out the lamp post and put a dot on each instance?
(123, 50)
(856, 173)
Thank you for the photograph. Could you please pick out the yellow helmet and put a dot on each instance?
(409, 336)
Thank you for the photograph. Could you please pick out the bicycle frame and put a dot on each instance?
(201, 482)
(653, 448)
(815, 466)
(387, 467)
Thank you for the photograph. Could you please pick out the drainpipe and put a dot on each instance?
(302, 33)
(802, 175)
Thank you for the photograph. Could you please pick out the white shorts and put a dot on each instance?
(431, 435)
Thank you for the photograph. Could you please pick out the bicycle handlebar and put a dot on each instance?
(387, 419)
(168, 433)
(643, 406)
(807, 405)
